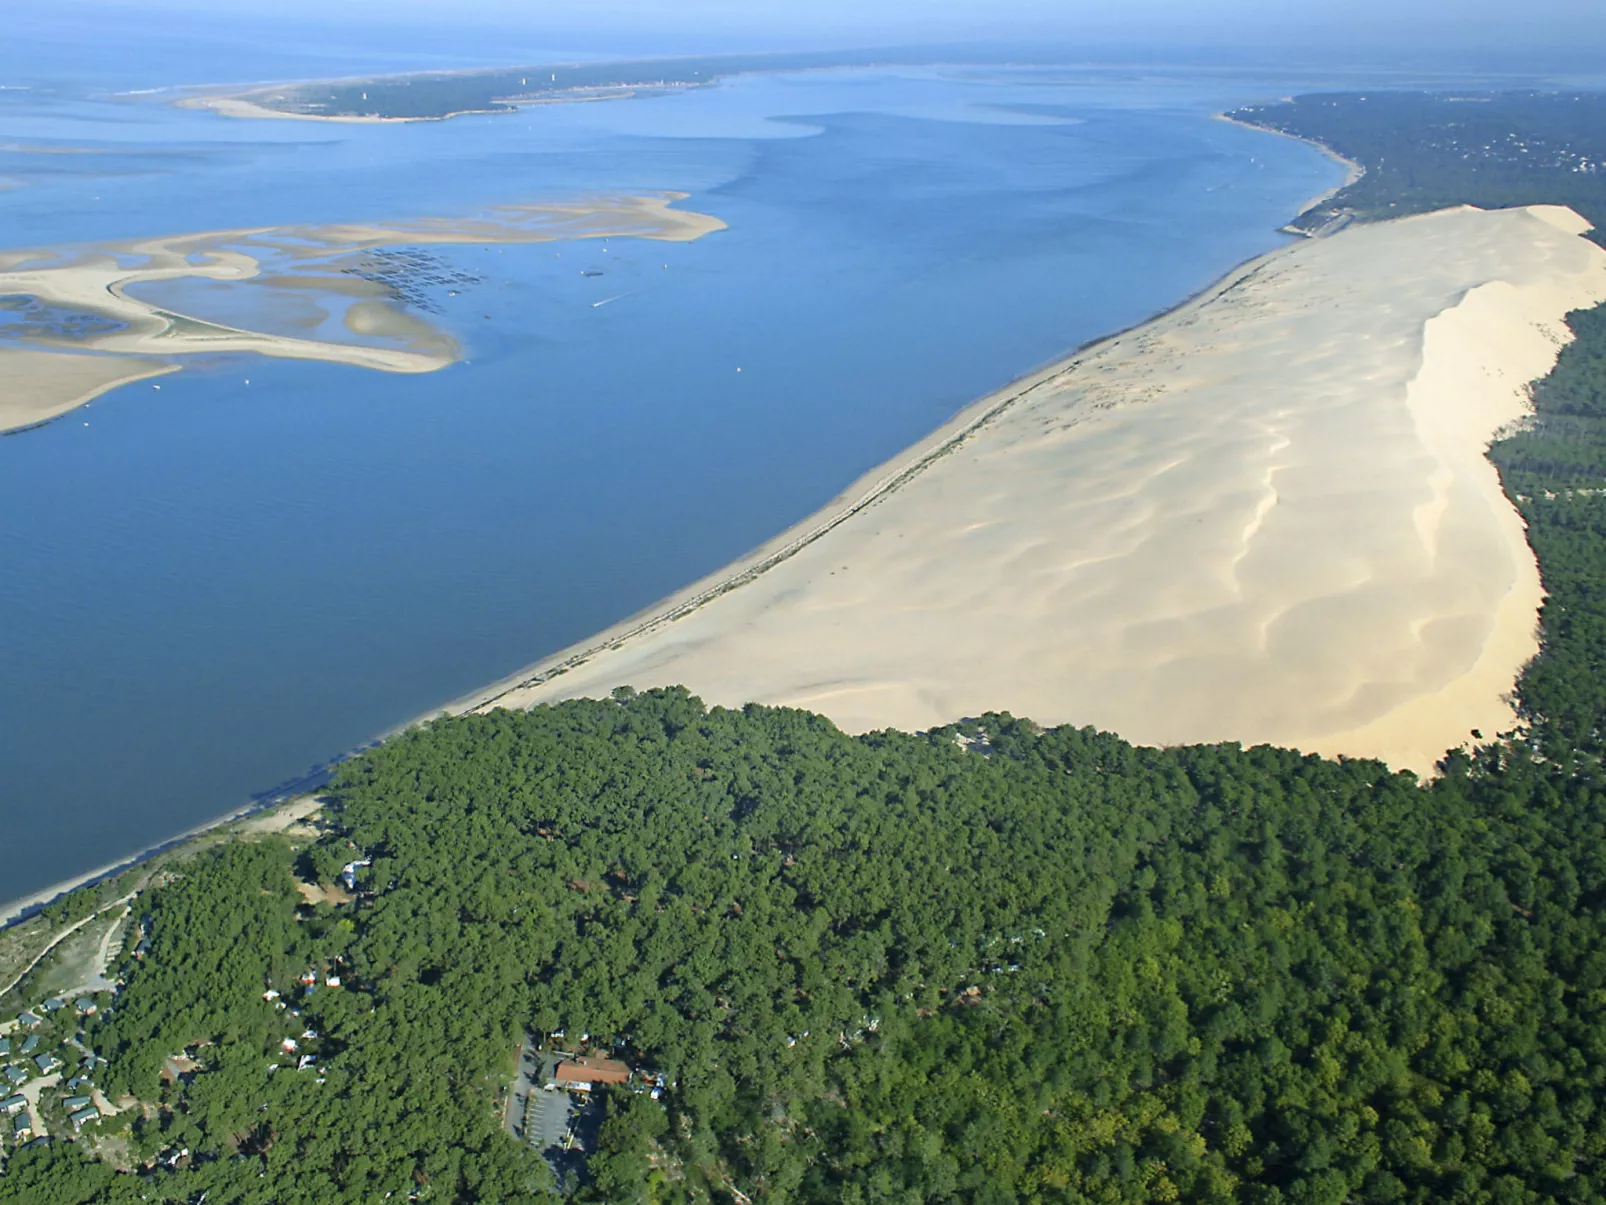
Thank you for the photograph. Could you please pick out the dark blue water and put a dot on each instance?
(214, 586)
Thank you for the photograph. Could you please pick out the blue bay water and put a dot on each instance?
(215, 585)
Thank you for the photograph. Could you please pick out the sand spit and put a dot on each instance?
(84, 321)
(40, 385)
(269, 102)
(1267, 516)
(240, 105)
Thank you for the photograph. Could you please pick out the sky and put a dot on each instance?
(762, 24)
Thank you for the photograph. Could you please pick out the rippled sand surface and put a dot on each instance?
(84, 321)
(1266, 517)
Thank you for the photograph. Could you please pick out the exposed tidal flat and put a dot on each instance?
(214, 586)
(71, 301)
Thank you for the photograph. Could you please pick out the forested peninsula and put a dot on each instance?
(436, 95)
(986, 963)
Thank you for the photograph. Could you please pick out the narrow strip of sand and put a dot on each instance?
(241, 105)
(1266, 517)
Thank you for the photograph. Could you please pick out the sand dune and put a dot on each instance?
(77, 300)
(1266, 516)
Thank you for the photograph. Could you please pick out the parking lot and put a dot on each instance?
(546, 1119)
(535, 1115)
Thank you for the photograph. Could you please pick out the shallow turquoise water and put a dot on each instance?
(214, 586)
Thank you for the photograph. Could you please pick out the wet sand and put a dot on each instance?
(41, 385)
(1267, 516)
(89, 332)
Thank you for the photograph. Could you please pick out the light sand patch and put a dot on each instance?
(1266, 517)
(85, 303)
(319, 893)
(286, 816)
(383, 320)
(40, 385)
(242, 106)
(345, 286)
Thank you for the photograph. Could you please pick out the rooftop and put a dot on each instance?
(592, 1070)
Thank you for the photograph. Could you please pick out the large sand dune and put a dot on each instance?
(1266, 516)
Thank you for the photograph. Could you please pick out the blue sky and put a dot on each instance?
(1491, 24)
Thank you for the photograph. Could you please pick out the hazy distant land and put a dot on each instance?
(434, 95)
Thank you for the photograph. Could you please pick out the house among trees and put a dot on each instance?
(582, 1074)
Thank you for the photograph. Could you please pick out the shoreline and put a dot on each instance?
(871, 487)
(34, 418)
(1353, 171)
(234, 100)
(877, 483)
(1268, 517)
(237, 101)
(23, 908)
(54, 377)
(865, 491)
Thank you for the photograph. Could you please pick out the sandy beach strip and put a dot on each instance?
(1267, 516)
(276, 813)
(240, 105)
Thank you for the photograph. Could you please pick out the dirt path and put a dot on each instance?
(97, 981)
(63, 936)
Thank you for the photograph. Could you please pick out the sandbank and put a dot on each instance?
(78, 300)
(1267, 516)
(240, 105)
(43, 385)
